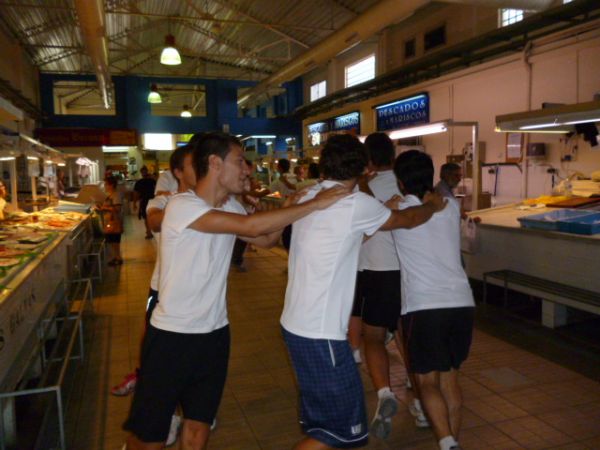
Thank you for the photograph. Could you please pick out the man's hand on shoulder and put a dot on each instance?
(394, 201)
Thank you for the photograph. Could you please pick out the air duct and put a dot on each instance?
(91, 22)
(374, 19)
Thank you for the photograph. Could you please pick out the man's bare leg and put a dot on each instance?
(434, 403)
(453, 396)
(376, 355)
(195, 435)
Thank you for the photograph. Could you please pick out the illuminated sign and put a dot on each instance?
(403, 113)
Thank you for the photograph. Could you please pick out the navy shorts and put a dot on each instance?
(438, 339)
(381, 298)
(178, 368)
(357, 306)
(332, 405)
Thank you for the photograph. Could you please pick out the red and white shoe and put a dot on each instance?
(125, 387)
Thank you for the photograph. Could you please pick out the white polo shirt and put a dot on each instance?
(379, 252)
(432, 275)
(193, 268)
(158, 202)
(323, 262)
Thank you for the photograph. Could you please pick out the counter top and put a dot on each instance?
(506, 217)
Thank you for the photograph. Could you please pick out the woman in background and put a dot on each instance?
(113, 220)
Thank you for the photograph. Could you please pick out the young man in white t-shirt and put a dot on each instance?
(322, 272)
(437, 302)
(186, 348)
(379, 297)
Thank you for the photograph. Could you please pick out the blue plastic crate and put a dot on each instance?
(553, 220)
(589, 224)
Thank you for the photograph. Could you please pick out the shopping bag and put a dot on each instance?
(469, 237)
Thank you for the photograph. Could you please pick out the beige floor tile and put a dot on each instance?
(513, 399)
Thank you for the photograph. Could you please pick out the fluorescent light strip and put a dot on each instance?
(33, 158)
(540, 125)
(7, 158)
(419, 131)
(575, 122)
(501, 130)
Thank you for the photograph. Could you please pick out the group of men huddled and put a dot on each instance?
(407, 227)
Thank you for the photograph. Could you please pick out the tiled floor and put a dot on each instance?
(513, 398)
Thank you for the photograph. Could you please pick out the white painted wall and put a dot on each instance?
(565, 69)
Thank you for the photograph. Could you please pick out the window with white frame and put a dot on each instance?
(360, 71)
(510, 16)
(318, 90)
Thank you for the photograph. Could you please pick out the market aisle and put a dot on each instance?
(514, 399)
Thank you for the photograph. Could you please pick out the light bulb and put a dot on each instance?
(170, 56)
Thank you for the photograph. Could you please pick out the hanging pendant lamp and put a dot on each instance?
(154, 96)
(185, 112)
(170, 56)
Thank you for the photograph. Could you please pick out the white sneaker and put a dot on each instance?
(420, 418)
(173, 430)
(356, 354)
(387, 407)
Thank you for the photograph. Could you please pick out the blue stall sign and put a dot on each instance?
(346, 122)
(319, 127)
(403, 113)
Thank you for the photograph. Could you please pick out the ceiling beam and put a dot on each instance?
(271, 27)
(208, 18)
(50, 25)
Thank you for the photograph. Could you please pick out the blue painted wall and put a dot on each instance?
(133, 110)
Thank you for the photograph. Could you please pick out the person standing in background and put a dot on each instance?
(144, 192)
(111, 209)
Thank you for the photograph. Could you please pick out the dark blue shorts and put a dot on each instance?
(332, 405)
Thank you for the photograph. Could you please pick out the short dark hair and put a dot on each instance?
(177, 158)
(448, 168)
(313, 171)
(415, 170)
(213, 143)
(381, 149)
(343, 157)
(284, 165)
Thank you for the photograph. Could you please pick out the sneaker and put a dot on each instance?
(387, 407)
(173, 430)
(125, 387)
(356, 354)
(420, 418)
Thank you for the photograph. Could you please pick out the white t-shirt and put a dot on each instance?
(323, 262)
(379, 252)
(166, 182)
(158, 202)
(432, 275)
(193, 268)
